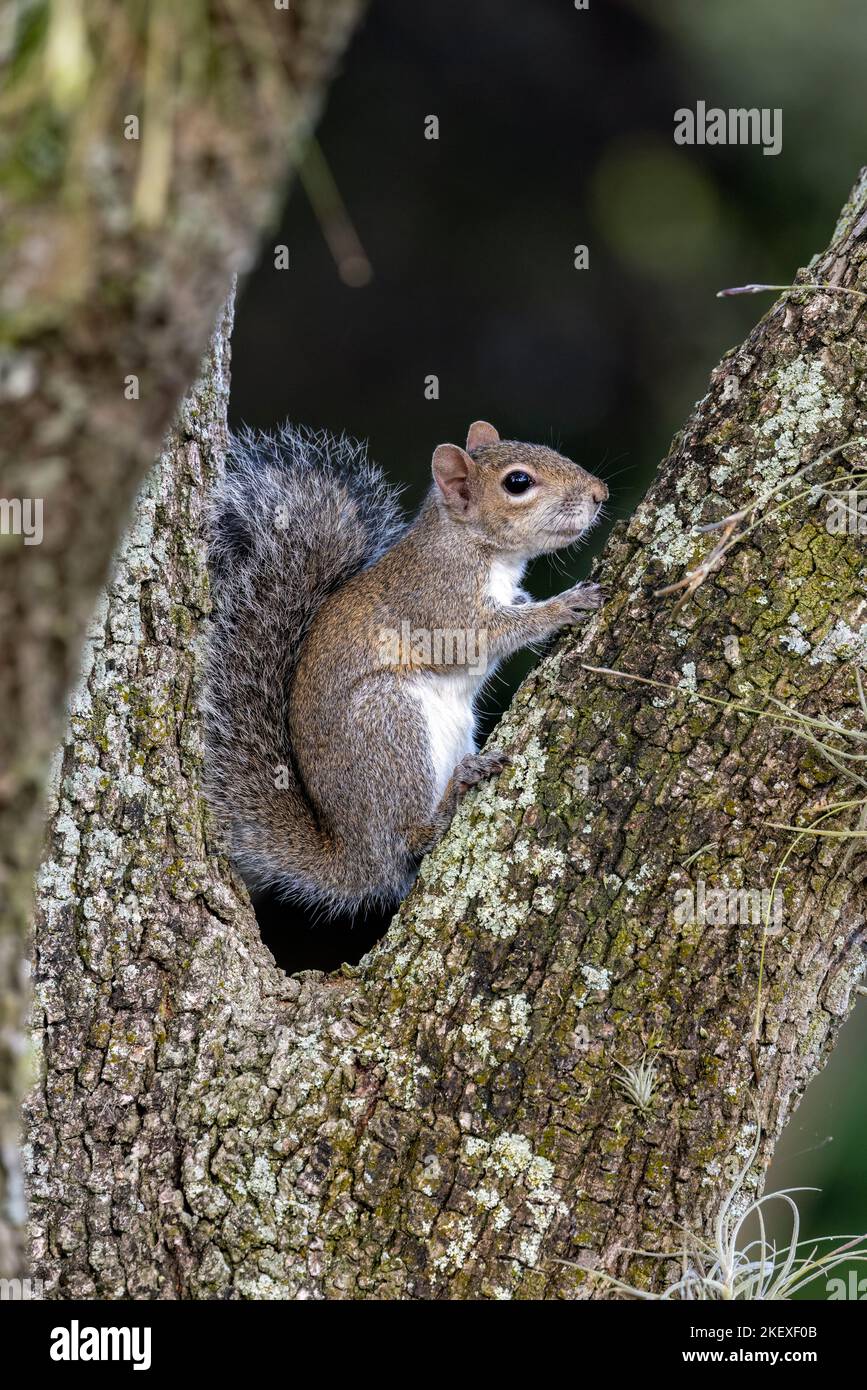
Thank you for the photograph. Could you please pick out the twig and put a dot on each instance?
(694, 578)
(809, 285)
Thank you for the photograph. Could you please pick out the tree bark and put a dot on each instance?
(118, 243)
(443, 1121)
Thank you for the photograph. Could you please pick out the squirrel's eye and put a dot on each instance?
(517, 482)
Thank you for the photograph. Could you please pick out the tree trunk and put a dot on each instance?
(444, 1120)
(118, 242)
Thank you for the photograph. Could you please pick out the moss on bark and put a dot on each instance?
(115, 256)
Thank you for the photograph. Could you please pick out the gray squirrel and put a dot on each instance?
(347, 648)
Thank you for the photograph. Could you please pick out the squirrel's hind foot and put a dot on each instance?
(478, 767)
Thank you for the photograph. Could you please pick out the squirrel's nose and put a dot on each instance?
(599, 490)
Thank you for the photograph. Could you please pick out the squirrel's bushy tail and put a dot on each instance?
(296, 514)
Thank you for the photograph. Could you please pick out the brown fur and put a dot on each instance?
(366, 797)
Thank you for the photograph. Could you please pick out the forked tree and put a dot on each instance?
(562, 1048)
(629, 952)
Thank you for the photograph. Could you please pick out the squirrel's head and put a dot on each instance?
(522, 498)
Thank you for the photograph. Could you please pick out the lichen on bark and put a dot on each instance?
(442, 1121)
(143, 149)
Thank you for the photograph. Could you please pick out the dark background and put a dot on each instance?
(556, 130)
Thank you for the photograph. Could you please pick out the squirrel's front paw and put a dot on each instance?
(582, 598)
(586, 596)
(478, 767)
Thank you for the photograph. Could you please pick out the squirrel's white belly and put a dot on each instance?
(446, 704)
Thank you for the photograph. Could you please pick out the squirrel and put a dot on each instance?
(347, 648)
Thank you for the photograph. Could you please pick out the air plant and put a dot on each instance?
(638, 1082)
(722, 1266)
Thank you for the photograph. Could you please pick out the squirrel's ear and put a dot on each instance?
(451, 470)
(481, 433)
